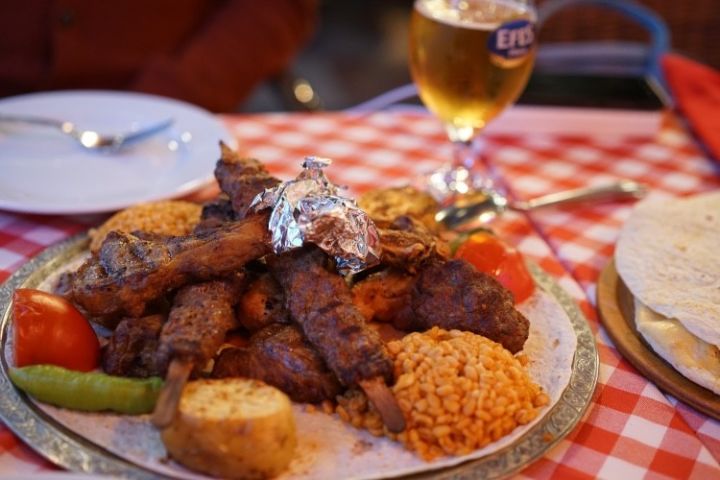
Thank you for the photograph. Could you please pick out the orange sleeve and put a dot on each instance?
(241, 44)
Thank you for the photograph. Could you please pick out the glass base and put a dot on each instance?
(451, 181)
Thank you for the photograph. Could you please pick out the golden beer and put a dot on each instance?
(459, 78)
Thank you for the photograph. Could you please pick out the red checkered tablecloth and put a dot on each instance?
(632, 430)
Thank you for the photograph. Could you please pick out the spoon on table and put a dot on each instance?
(484, 205)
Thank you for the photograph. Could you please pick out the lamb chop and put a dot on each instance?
(129, 272)
(281, 356)
(200, 317)
(320, 302)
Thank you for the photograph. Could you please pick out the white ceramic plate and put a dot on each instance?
(44, 171)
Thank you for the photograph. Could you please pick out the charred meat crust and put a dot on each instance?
(455, 295)
(129, 272)
(280, 356)
(407, 244)
(241, 179)
(321, 303)
(132, 349)
(200, 317)
(215, 213)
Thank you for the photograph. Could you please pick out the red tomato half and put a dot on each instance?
(49, 329)
(491, 255)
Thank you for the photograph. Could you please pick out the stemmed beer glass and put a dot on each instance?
(470, 59)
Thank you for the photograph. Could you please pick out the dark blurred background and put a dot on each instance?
(359, 49)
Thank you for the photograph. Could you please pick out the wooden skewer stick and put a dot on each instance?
(385, 402)
(169, 398)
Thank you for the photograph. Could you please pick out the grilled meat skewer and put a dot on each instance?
(320, 302)
(129, 272)
(241, 179)
(200, 318)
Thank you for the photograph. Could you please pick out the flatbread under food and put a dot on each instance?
(694, 358)
(667, 255)
(327, 446)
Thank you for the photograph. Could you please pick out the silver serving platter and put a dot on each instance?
(73, 452)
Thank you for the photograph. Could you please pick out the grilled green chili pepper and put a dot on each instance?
(87, 391)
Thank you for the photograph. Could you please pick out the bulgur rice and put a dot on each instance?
(458, 391)
(169, 217)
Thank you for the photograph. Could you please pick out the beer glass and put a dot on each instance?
(469, 59)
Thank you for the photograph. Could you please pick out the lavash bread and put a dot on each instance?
(694, 358)
(668, 255)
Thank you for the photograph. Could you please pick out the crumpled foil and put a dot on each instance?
(310, 209)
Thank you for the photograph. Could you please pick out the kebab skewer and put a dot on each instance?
(321, 303)
(199, 320)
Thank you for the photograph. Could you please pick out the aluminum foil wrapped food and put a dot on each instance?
(310, 209)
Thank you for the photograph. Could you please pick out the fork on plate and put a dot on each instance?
(91, 139)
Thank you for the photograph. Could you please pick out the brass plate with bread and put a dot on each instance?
(71, 450)
(617, 313)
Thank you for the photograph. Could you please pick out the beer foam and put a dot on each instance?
(477, 14)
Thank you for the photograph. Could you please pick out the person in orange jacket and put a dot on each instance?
(208, 52)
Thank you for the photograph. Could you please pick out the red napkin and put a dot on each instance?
(696, 90)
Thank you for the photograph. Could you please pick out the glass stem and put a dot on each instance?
(464, 154)
(470, 155)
